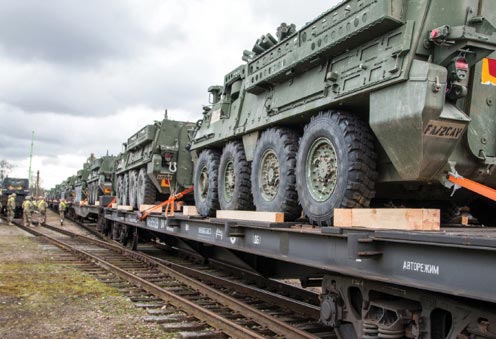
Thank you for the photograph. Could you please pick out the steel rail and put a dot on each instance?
(273, 324)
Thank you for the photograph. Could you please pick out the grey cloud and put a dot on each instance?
(71, 31)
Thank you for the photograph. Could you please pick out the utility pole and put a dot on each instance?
(31, 155)
(38, 183)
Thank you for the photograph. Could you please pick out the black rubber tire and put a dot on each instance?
(284, 143)
(133, 188)
(242, 198)
(356, 158)
(125, 189)
(118, 189)
(146, 191)
(90, 194)
(208, 205)
(483, 209)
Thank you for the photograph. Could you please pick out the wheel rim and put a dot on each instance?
(269, 175)
(321, 169)
(229, 180)
(203, 183)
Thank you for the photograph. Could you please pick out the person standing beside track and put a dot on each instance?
(11, 206)
(27, 211)
(62, 208)
(42, 209)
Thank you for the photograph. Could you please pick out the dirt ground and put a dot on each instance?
(40, 298)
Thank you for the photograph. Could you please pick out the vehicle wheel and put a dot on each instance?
(235, 179)
(94, 193)
(125, 189)
(90, 194)
(206, 183)
(483, 209)
(273, 173)
(146, 191)
(336, 166)
(119, 189)
(133, 188)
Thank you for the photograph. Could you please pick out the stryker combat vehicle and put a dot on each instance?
(101, 178)
(155, 163)
(81, 182)
(20, 187)
(68, 191)
(373, 99)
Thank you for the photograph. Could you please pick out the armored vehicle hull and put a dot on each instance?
(154, 164)
(372, 99)
(100, 179)
(20, 187)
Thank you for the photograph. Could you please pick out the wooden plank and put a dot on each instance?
(145, 207)
(124, 208)
(97, 203)
(190, 211)
(251, 216)
(114, 206)
(389, 218)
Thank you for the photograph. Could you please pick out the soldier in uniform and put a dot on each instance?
(27, 211)
(42, 209)
(62, 208)
(11, 205)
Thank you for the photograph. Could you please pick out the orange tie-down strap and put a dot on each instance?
(473, 186)
(112, 202)
(169, 204)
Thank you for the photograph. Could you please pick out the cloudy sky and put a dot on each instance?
(85, 75)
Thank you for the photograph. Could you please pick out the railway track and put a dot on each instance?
(203, 304)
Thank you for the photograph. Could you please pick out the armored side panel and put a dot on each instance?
(345, 27)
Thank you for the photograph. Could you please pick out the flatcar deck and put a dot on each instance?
(429, 260)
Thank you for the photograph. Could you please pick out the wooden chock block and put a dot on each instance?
(146, 207)
(273, 217)
(97, 203)
(114, 206)
(124, 208)
(190, 210)
(408, 219)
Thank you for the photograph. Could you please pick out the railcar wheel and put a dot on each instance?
(146, 193)
(133, 188)
(206, 183)
(133, 244)
(235, 178)
(125, 189)
(336, 166)
(273, 173)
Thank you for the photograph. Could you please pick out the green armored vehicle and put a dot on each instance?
(19, 186)
(81, 182)
(373, 99)
(68, 189)
(154, 164)
(101, 177)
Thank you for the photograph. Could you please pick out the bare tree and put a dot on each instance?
(5, 168)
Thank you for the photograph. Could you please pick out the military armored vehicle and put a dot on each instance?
(155, 163)
(81, 181)
(101, 177)
(68, 191)
(374, 99)
(20, 187)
